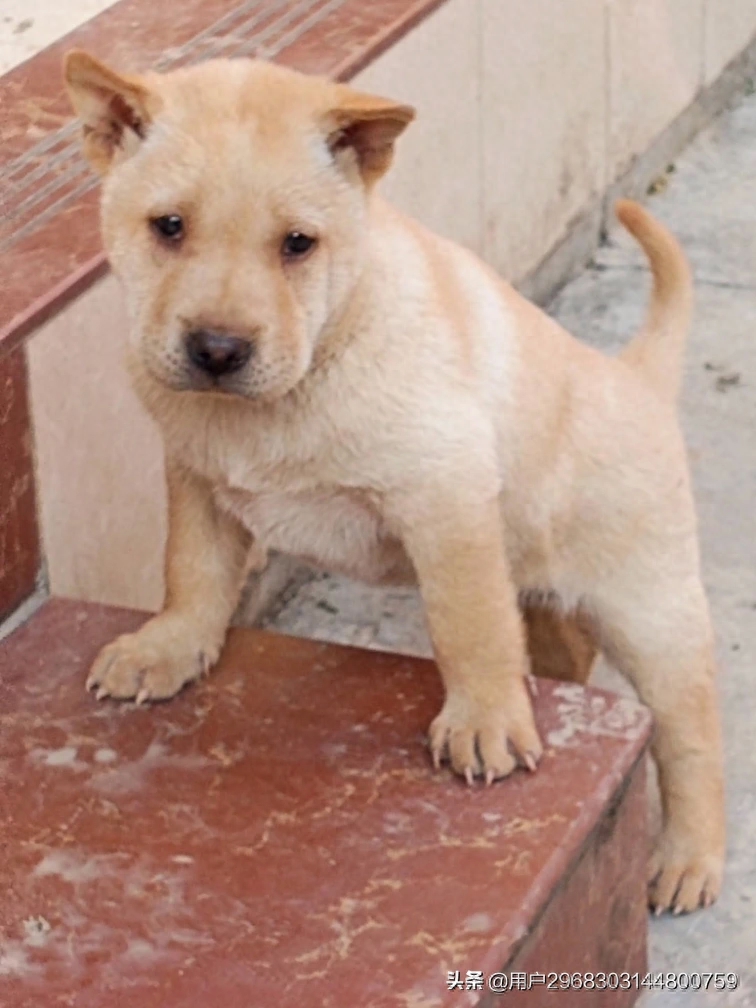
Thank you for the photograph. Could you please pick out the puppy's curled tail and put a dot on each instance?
(657, 350)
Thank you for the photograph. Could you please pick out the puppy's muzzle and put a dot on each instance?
(217, 353)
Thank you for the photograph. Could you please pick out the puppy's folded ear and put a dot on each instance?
(116, 111)
(366, 126)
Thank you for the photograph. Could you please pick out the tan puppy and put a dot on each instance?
(334, 381)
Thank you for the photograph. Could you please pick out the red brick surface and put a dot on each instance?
(275, 836)
(594, 923)
(19, 548)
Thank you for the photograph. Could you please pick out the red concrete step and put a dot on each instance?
(275, 836)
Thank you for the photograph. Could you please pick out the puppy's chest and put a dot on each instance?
(338, 530)
(293, 488)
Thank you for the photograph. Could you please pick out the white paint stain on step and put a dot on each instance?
(129, 776)
(66, 757)
(583, 714)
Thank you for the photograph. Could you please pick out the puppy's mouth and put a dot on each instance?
(255, 382)
(225, 385)
(229, 370)
(244, 385)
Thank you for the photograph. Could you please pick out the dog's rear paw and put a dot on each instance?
(141, 666)
(682, 880)
(481, 738)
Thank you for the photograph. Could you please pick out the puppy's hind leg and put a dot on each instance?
(560, 646)
(660, 636)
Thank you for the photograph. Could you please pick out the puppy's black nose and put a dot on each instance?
(217, 353)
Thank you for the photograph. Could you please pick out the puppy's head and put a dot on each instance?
(234, 210)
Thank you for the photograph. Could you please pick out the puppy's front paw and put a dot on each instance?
(148, 665)
(683, 874)
(476, 734)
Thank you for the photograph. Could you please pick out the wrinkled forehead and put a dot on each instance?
(227, 153)
(239, 110)
(231, 135)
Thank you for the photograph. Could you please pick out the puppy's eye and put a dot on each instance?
(296, 245)
(169, 227)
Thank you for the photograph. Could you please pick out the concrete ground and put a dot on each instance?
(26, 26)
(710, 202)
